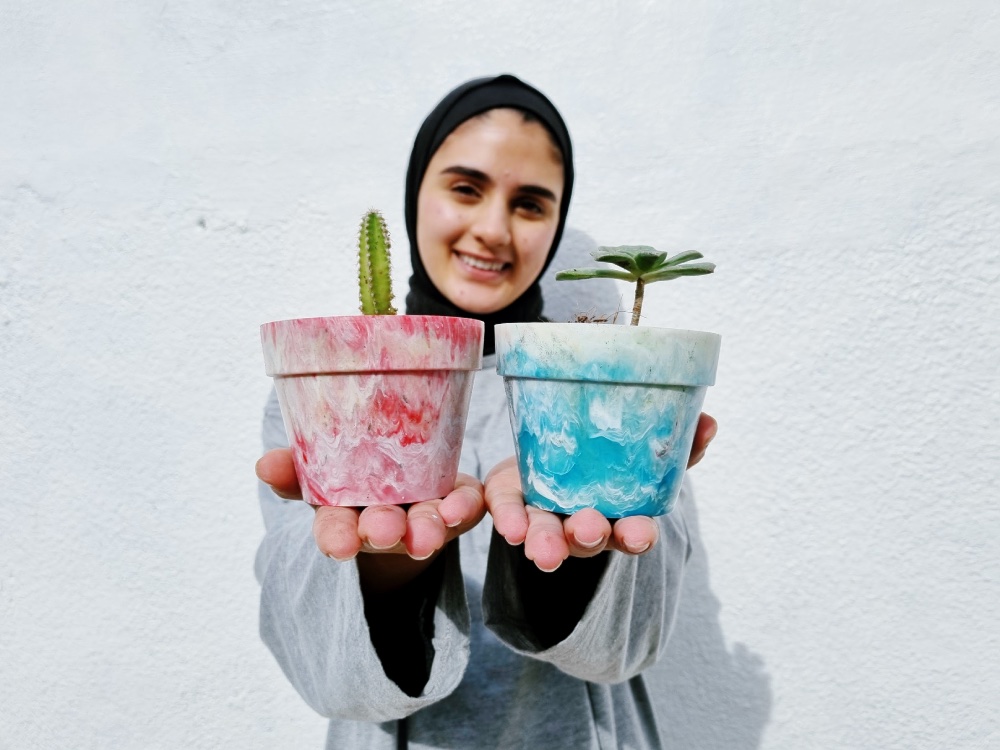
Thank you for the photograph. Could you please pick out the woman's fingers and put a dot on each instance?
(551, 538)
(381, 528)
(634, 535)
(276, 469)
(703, 435)
(432, 524)
(426, 527)
(425, 530)
(418, 531)
(545, 540)
(463, 507)
(505, 501)
(587, 533)
(336, 531)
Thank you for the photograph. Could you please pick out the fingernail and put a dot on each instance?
(711, 436)
(550, 570)
(340, 559)
(636, 549)
(414, 557)
(588, 545)
(379, 548)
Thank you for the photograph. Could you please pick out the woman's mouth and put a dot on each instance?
(479, 264)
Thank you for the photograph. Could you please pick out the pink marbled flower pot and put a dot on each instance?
(374, 405)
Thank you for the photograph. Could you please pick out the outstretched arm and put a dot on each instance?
(332, 638)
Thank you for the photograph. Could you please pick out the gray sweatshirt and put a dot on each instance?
(494, 680)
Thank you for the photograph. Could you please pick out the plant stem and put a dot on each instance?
(640, 286)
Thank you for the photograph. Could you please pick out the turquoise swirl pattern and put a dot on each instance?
(604, 416)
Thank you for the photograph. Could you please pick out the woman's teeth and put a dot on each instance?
(483, 265)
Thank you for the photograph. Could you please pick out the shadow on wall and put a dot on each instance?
(705, 696)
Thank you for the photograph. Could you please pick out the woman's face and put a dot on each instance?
(488, 209)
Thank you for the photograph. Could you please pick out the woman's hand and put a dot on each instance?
(703, 435)
(399, 542)
(549, 538)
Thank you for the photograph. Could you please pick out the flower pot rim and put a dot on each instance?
(342, 344)
(587, 326)
(385, 318)
(602, 353)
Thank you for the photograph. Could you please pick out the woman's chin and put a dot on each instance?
(479, 301)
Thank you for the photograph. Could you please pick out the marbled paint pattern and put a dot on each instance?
(621, 445)
(374, 406)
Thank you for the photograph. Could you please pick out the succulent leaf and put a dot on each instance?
(625, 262)
(630, 250)
(673, 272)
(576, 274)
(676, 260)
(649, 261)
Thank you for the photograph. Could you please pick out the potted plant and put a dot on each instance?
(374, 405)
(604, 415)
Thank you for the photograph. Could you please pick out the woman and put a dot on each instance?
(389, 638)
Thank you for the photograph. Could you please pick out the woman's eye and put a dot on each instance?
(530, 206)
(464, 189)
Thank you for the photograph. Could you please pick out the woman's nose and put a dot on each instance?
(492, 226)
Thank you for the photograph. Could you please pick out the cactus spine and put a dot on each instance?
(374, 277)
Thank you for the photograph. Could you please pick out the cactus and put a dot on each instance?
(374, 278)
(642, 265)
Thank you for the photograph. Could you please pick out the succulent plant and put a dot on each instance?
(374, 278)
(641, 265)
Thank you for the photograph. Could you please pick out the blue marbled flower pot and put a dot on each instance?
(604, 416)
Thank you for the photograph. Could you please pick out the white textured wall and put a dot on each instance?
(173, 174)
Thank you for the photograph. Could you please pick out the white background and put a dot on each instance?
(173, 174)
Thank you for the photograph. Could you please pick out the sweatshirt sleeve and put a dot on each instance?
(312, 616)
(623, 619)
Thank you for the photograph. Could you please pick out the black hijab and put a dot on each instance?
(468, 100)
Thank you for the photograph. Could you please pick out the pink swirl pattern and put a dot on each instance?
(374, 406)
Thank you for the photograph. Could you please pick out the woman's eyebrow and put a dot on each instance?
(474, 174)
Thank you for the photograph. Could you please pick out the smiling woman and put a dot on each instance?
(533, 632)
(512, 158)
(491, 195)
